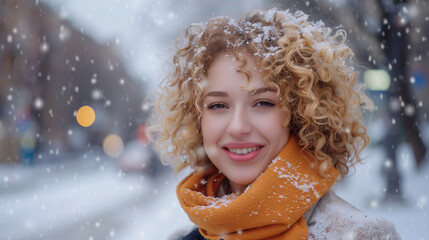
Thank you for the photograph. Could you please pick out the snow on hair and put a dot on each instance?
(307, 62)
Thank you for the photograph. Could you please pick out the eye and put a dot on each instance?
(264, 104)
(215, 106)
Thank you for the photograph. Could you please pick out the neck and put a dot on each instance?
(237, 188)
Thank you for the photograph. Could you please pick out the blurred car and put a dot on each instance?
(137, 157)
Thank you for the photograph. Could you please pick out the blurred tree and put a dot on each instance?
(379, 32)
(63, 69)
(394, 37)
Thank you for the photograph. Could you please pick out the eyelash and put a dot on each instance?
(265, 104)
(262, 104)
(215, 106)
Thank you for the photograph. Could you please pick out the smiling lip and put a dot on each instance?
(245, 146)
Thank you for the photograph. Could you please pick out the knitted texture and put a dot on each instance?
(270, 208)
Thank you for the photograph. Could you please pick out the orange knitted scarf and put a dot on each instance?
(270, 208)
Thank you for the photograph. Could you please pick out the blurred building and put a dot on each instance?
(388, 37)
(363, 22)
(48, 70)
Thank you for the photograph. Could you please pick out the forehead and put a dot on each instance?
(227, 69)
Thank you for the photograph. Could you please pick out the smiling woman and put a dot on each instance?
(236, 136)
(268, 114)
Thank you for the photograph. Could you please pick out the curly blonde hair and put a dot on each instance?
(307, 62)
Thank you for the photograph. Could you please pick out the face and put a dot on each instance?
(242, 130)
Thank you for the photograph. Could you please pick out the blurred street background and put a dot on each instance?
(62, 180)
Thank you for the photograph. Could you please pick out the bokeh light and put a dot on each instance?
(113, 146)
(377, 79)
(85, 116)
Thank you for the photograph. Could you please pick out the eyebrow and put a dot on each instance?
(216, 94)
(262, 90)
(250, 92)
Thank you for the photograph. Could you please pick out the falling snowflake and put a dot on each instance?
(38, 103)
(44, 47)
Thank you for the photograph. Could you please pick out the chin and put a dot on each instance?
(243, 180)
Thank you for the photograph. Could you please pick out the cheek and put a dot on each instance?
(211, 125)
(274, 131)
(206, 127)
(210, 132)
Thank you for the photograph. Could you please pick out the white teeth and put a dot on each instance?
(242, 151)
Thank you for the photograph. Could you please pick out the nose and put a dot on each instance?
(239, 124)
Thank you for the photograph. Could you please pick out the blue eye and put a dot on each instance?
(215, 106)
(264, 104)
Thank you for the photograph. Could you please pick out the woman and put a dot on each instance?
(268, 114)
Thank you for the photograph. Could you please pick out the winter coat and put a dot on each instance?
(333, 218)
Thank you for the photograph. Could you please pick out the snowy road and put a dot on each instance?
(74, 199)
